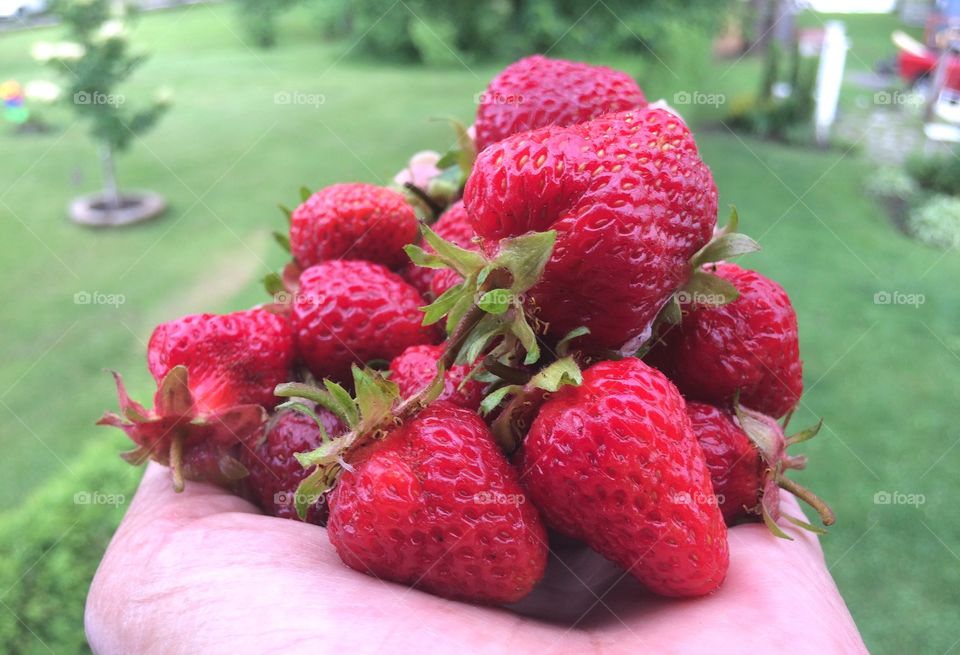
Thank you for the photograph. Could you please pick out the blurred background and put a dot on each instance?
(833, 133)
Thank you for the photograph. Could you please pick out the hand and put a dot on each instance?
(205, 572)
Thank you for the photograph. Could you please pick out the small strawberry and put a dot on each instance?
(348, 312)
(215, 375)
(614, 462)
(748, 346)
(274, 472)
(746, 453)
(352, 221)
(453, 226)
(537, 91)
(631, 203)
(415, 367)
(435, 504)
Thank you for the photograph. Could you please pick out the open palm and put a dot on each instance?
(206, 572)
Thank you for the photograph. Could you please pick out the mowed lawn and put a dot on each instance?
(884, 375)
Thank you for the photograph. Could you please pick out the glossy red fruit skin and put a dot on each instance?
(353, 221)
(538, 91)
(415, 367)
(631, 202)
(232, 359)
(750, 344)
(736, 467)
(275, 473)
(350, 312)
(436, 505)
(453, 226)
(614, 462)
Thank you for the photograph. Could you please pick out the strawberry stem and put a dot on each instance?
(435, 209)
(176, 461)
(804, 494)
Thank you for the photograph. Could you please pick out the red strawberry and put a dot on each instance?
(352, 312)
(454, 226)
(352, 221)
(215, 374)
(749, 345)
(416, 366)
(631, 202)
(274, 471)
(747, 458)
(537, 91)
(436, 505)
(614, 462)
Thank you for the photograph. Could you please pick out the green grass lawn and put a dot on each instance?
(884, 376)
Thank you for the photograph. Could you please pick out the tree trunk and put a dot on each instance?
(111, 192)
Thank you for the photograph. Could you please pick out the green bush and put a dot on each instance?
(51, 547)
(937, 222)
(891, 182)
(937, 173)
(511, 28)
(259, 19)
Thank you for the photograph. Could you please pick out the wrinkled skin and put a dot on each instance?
(205, 572)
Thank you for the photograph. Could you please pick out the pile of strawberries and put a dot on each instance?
(537, 333)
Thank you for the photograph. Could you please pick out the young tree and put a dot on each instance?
(95, 61)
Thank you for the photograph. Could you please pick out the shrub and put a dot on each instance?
(51, 546)
(503, 29)
(891, 182)
(259, 19)
(937, 222)
(937, 173)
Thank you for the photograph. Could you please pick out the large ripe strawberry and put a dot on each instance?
(275, 473)
(631, 203)
(538, 91)
(349, 311)
(436, 505)
(749, 345)
(614, 462)
(352, 221)
(453, 226)
(415, 367)
(215, 375)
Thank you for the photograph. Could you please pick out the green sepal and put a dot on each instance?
(375, 397)
(463, 261)
(558, 374)
(772, 525)
(806, 526)
(283, 240)
(725, 244)
(421, 257)
(286, 212)
(563, 346)
(298, 406)
(305, 194)
(173, 395)
(494, 398)
(443, 305)
(311, 487)
(334, 398)
(495, 301)
(479, 338)
(708, 289)
(528, 339)
(273, 283)
(525, 257)
(805, 434)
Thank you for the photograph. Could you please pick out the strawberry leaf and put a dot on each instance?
(525, 257)
(283, 240)
(495, 301)
(421, 257)
(305, 194)
(494, 399)
(463, 261)
(442, 305)
(562, 372)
